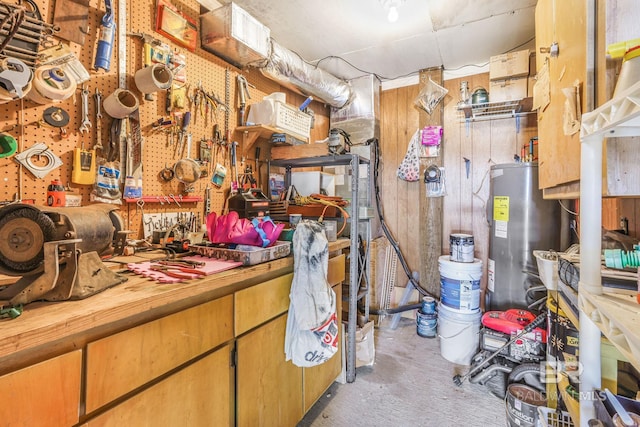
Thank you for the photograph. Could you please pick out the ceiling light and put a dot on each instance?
(391, 6)
(393, 14)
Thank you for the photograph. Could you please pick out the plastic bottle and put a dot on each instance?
(56, 194)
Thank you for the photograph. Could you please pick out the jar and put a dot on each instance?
(56, 193)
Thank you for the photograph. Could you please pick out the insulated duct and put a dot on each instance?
(288, 69)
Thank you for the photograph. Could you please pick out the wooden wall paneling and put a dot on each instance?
(430, 207)
(626, 207)
(414, 237)
(391, 156)
(453, 138)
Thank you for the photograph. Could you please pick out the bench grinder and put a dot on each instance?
(57, 251)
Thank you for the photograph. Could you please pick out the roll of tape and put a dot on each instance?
(8, 145)
(51, 83)
(153, 78)
(120, 103)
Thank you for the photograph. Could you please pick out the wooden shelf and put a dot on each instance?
(250, 134)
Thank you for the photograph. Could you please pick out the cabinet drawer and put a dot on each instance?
(336, 271)
(45, 394)
(257, 304)
(197, 396)
(127, 360)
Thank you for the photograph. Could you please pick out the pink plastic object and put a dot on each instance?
(211, 266)
(432, 135)
(230, 228)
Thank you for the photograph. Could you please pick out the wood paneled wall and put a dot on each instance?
(484, 143)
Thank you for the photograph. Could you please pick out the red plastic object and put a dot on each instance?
(511, 321)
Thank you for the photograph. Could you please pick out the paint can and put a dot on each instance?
(459, 334)
(460, 284)
(461, 247)
(428, 305)
(426, 324)
(521, 403)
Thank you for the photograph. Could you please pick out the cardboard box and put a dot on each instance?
(314, 182)
(512, 64)
(508, 89)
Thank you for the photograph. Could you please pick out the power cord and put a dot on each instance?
(383, 224)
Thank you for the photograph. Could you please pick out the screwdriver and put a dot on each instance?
(186, 119)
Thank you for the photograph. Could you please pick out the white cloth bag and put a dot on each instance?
(312, 326)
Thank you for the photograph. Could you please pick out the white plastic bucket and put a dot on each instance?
(461, 248)
(460, 284)
(459, 334)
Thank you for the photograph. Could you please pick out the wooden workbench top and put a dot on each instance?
(46, 329)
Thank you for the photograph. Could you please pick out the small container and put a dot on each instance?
(294, 219)
(428, 305)
(56, 196)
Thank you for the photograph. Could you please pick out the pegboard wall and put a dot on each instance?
(23, 119)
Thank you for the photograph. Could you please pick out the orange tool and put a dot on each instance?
(179, 272)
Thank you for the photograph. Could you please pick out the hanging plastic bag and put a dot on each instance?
(430, 95)
(409, 169)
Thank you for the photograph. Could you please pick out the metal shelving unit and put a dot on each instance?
(358, 226)
(612, 313)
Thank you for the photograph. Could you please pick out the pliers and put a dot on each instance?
(179, 272)
(182, 263)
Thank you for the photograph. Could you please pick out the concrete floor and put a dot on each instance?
(409, 384)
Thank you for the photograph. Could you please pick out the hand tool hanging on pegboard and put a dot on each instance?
(243, 93)
(106, 39)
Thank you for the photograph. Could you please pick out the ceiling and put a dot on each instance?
(350, 38)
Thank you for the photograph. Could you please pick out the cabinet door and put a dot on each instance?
(197, 396)
(45, 394)
(559, 154)
(318, 378)
(268, 389)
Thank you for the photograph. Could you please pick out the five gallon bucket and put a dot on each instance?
(522, 403)
(459, 334)
(461, 247)
(460, 284)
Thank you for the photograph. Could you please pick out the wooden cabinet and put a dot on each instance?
(269, 390)
(197, 396)
(44, 394)
(581, 41)
(120, 363)
(204, 359)
(565, 23)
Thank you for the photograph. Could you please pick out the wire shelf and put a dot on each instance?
(497, 110)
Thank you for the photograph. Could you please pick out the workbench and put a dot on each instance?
(202, 352)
